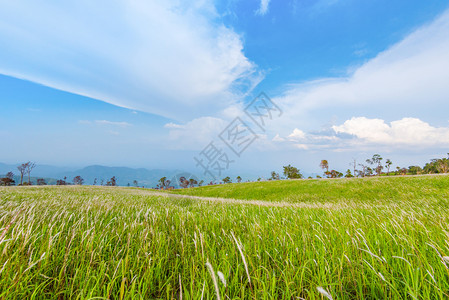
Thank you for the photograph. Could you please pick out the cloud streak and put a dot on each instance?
(105, 123)
(263, 8)
(162, 57)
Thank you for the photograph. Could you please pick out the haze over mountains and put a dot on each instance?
(124, 175)
(145, 177)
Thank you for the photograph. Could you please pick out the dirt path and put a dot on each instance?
(247, 202)
(148, 192)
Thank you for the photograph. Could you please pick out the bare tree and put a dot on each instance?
(10, 175)
(30, 166)
(78, 180)
(22, 169)
(354, 165)
(362, 172)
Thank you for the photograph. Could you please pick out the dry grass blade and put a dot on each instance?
(214, 279)
(243, 257)
(324, 293)
(9, 225)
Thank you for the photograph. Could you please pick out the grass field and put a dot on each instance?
(376, 238)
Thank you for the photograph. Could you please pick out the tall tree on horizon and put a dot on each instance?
(324, 164)
(22, 169)
(30, 166)
(388, 164)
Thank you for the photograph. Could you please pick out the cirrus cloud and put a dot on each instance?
(164, 57)
(263, 8)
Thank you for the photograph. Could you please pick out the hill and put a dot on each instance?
(369, 189)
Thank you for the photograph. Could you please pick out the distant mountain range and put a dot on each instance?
(124, 175)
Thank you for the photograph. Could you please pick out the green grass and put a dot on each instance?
(358, 190)
(382, 239)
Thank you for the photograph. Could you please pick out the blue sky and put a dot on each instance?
(152, 83)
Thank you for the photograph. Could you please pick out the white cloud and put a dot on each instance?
(361, 133)
(105, 122)
(119, 124)
(297, 134)
(404, 132)
(174, 126)
(164, 57)
(278, 138)
(411, 75)
(263, 8)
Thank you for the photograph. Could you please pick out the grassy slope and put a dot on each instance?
(84, 242)
(397, 188)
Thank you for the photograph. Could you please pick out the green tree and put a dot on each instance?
(192, 182)
(239, 179)
(274, 176)
(376, 161)
(414, 170)
(388, 164)
(227, 179)
(348, 174)
(162, 181)
(291, 172)
(443, 165)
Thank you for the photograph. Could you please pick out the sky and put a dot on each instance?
(160, 84)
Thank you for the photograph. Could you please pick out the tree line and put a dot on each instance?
(374, 166)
